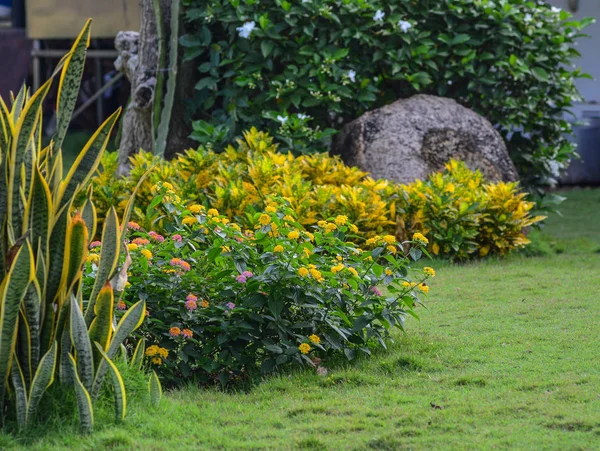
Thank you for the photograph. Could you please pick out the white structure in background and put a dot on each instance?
(586, 170)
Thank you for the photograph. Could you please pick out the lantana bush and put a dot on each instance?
(226, 302)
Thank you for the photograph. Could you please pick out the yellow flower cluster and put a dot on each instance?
(157, 353)
(315, 339)
(429, 271)
(304, 348)
(337, 268)
(147, 253)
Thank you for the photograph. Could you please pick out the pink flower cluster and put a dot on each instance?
(244, 276)
(94, 244)
(181, 263)
(191, 302)
(177, 238)
(155, 236)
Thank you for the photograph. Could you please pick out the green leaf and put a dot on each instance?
(84, 401)
(39, 209)
(155, 388)
(82, 344)
(109, 255)
(540, 73)
(460, 39)
(21, 153)
(101, 326)
(266, 47)
(12, 291)
(137, 359)
(118, 386)
(130, 321)
(20, 392)
(70, 81)
(87, 161)
(58, 247)
(44, 377)
(89, 215)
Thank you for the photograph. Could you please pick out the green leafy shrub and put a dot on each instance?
(461, 214)
(275, 65)
(48, 330)
(230, 303)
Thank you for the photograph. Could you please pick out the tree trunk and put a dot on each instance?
(139, 60)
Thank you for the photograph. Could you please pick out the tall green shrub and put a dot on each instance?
(47, 329)
(298, 68)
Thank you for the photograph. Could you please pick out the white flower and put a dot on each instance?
(282, 119)
(528, 18)
(404, 26)
(352, 75)
(555, 10)
(303, 116)
(449, 82)
(246, 29)
(379, 15)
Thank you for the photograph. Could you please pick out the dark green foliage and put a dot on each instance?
(331, 60)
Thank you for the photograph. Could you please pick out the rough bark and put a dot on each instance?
(138, 59)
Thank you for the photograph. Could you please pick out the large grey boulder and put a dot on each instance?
(414, 137)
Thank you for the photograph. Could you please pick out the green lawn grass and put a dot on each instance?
(507, 349)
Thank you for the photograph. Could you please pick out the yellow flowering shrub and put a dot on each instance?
(461, 214)
(242, 180)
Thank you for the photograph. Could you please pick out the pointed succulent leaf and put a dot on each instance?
(32, 308)
(84, 401)
(20, 154)
(101, 326)
(155, 388)
(44, 377)
(109, 255)
(88, 160)
(137, 359)
(18, 381)
(83, 346)
(70, 81)
(78, 250)
(59, 248)
(118, 385)
(130, 321)
(12, 291)
(88, 213)
(39, 211)
(24, 346)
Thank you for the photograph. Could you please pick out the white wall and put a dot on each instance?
(590, 56)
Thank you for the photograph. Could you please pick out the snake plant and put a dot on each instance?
(48, 331)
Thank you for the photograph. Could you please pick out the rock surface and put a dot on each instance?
(414, 137)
